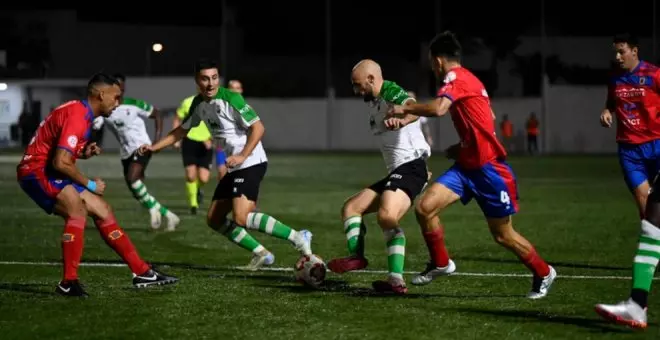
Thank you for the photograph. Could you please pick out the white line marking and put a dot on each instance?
(282, 269)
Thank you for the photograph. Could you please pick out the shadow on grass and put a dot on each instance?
(32, 288)
(593, 324)
(555, 264)
(343, 287)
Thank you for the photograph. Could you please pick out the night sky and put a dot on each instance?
(372, 27)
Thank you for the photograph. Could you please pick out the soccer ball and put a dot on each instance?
(310, 270)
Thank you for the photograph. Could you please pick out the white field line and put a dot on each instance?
(283, 269)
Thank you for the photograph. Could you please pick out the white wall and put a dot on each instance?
(304, 124)
(571, 125)
(11, 105)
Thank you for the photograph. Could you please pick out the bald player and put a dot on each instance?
(404, 151)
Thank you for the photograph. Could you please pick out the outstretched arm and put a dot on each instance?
(171, 138)
(438, 107)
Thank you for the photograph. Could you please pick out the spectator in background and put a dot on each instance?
(506, 129)
(532, 134)
(27, 124)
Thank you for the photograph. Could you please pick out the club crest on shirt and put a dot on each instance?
(73, 141)
(451, 76)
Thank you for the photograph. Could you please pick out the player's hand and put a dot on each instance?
(100, 186)
(235, 160)
(208, 144)
(145, 150)
(177, 145)
(92, 150)
(394, 123)
(395, 110)
(606, 118)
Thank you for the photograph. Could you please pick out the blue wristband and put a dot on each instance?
(91, 185)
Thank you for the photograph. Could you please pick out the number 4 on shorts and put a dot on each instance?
(504, 197)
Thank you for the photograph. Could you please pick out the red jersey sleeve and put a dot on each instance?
(656, 81)
(453, 89)
(72, 135)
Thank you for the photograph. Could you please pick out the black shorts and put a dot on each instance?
(410, 177)
(196, 153)
(241, 182)
(136, 158)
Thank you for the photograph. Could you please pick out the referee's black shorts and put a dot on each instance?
(196, 153)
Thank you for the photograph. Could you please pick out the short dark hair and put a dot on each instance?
(626, 38)
(120, 77)
(446, 45)
(205, 64)
(101, 78)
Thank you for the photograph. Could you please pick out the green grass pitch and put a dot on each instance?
(575, 210)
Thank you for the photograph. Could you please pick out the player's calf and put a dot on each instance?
(352, 212)
(393, 205)
(244, 215)
(216, 219)
(156, 210)
(544, 275)
(435, 199)
(70, 206)
(396, 253)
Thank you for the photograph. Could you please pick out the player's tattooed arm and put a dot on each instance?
(436, 108)
(63, 163)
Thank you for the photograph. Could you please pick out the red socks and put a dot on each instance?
(435, 241)
(536, 264)
(72, 246)
(115, 237)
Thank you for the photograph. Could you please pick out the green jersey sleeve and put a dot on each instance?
(393, 93)
(192, 119)
(145, 108)
(243, 112)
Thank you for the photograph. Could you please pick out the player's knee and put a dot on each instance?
(350, 208)
(191, 175)
(215, 221)
(132, 177)
(387, 218)
(425, 209)
(241, 218)
(103, 210)
(76, 209)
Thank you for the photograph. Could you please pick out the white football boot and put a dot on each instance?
(627, 313)
(541, 285)
(155, 218)
(432, 272)
(303, 242)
